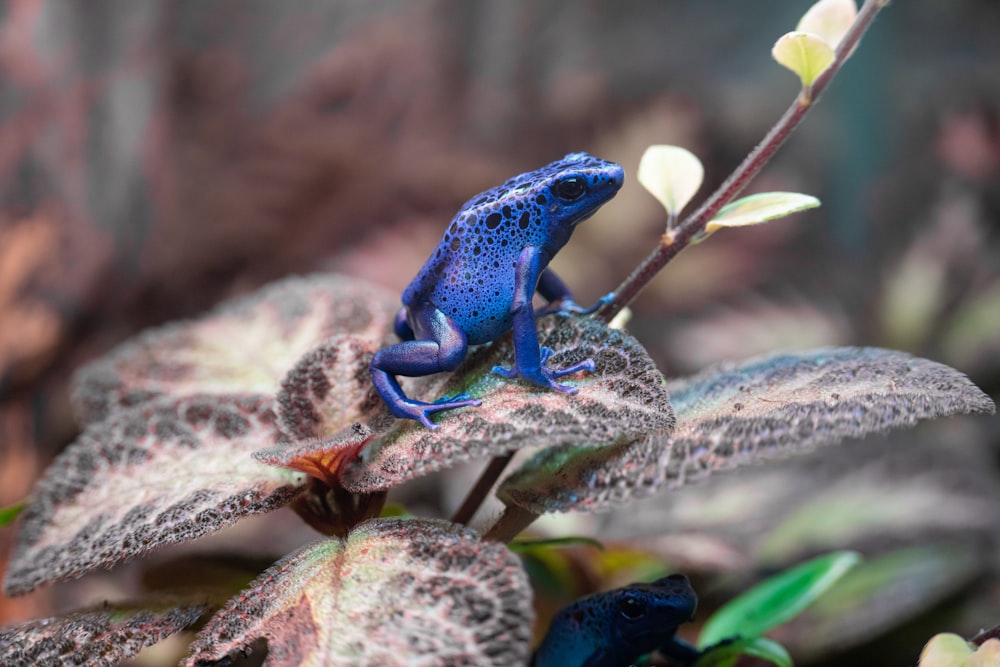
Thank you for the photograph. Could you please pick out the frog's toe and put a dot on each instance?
(465, 399)
(586, 365)
(509, 373)
(422, 412)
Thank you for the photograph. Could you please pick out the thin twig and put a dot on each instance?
(680, 237)
(510, 524)
(477, 494)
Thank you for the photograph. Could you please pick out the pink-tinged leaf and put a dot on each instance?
(321, 458)
(329, 389)
(245, 345)
(161, 473)
(409, 592)
(621, 400)
(99, 637)
(738, 414)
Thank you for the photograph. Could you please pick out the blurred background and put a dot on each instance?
(157, 157)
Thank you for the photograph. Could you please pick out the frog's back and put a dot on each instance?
(470, 276)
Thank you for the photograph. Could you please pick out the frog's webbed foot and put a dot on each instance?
(566, 307)
(546, 377)
(421, 412)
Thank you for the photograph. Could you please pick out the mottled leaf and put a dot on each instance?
(161, 473)
(329, 389)
(245, 345)
(395, 592)
(776, 600)
(623, 399)
(737, 414)
(804, 53)
(99, 637)
(321, 458)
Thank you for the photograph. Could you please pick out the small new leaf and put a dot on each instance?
(946, 650)
(622, 399)
(759, 208)
(395, 592)
(829, 19)
(671, 174)
(776, 600)
(161, 473)
(804, 53)
(100, 638)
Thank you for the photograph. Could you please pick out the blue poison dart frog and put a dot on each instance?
(479, 282)
(615, 628)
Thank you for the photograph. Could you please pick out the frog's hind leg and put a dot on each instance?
(438, 346)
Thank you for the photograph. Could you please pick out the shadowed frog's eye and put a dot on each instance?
(631, 607)
(571, 188)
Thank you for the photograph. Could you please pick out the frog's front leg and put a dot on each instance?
(439, 346)
(560, 299)
(529, 358)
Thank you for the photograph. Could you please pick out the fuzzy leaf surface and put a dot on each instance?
(99, 638)
(742, 413)
(329, 389)
(161, 473)
(409, 592)
(244, 345)
(621, 400)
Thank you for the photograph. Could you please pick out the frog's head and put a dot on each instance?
(570, 190)
(643, 612)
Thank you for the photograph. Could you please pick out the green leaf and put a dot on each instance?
(164, 472)
(829, 19)
(394, 592)
(671, 174)
(776, 600)
(101, 637)
(887, 591)
(804, 53)
(11, 512)
(726, 655)
(524, 546)
(759, 208)
(395, 511)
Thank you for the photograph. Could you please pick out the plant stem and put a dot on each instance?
(510, 524)
(477, 494)
(680, 236)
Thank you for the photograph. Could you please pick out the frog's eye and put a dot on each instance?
(570, 188)
(631, 607)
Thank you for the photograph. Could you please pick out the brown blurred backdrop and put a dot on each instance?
(157, 156)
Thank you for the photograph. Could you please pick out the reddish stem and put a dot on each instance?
(680, 237)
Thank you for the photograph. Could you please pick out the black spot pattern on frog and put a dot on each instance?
(471, 275)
